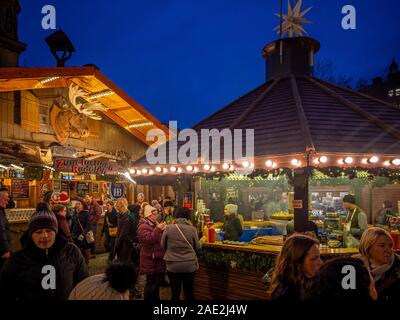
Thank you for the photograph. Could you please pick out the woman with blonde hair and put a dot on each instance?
(297, 263)
(376, 251)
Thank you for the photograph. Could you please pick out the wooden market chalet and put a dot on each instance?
(73, 113)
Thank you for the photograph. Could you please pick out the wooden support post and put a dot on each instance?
(300, 202)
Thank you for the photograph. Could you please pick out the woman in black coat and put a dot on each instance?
(46, 268)
(110, 229)
(126, 236)
(80, 227)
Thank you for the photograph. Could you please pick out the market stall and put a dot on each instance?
(314, 142)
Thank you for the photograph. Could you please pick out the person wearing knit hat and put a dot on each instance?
(151, 253)
(114, 284)
(232, 228)
(167, 213)
(356, 222)
(43, 218)
(149, 210)
(233, 209)
(23, 275)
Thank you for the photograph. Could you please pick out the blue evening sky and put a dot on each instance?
(185, 59)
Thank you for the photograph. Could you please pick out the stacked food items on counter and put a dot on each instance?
(268, 240)
(236, 243)
(334, 236)
(282, 216)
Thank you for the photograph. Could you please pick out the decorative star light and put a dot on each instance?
(292, 24)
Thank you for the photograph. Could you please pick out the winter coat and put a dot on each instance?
(76, 229)
(5, 238)
(175, 246)
(286, 292)
(387, 287)
(110, 220)
(63, 227)
(21, 277)
(126, 238)
(94, 213)
(151, 252)
(382, 216)
(232, 228)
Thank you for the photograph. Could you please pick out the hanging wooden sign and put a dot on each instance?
(298, 204)
(83, 166)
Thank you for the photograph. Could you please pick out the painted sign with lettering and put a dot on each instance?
(83, 166)
(118, 190)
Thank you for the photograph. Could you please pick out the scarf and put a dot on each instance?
(377, 271)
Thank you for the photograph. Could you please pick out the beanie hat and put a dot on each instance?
(231, 208)
(148, 210)
(168, 204)
(114, 284)
(349, 198)
(96, 288)
(42, 219)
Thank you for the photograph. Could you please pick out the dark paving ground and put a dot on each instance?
(98, 265)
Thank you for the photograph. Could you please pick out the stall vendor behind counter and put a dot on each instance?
(356, 222)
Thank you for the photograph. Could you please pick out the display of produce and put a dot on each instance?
(334, 244)
(282, 215)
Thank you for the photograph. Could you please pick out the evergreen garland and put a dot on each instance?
(243, 260)
(329, 172)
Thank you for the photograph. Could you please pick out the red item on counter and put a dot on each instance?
(396, 240)
(211, 235)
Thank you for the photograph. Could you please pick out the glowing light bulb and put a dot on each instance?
(295, 162)
(396, 162)
(373, 159)
(348, 160)
(323, 159)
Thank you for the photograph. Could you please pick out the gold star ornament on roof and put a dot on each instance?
(292, 24)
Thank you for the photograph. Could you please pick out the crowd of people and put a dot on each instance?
(158, 240)
(300, 274)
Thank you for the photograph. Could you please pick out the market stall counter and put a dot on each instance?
(234, 271)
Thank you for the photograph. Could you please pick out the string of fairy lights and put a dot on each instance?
(321, 162)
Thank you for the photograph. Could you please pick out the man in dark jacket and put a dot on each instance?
(94, 216)
(46, 268)
(232, 228)
(5, 241)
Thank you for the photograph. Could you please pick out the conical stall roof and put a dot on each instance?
(294, 114)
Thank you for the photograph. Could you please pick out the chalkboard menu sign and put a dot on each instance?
(95, 187)
(56, 185)
(82, 188)
(64, 186)
(20, 189)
